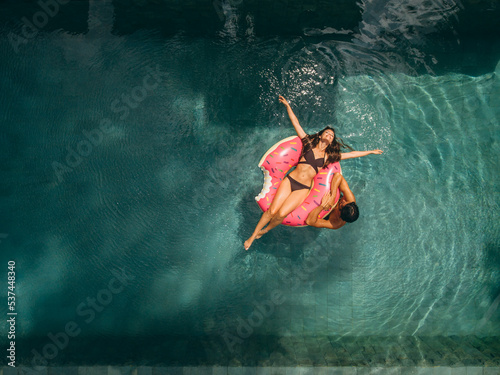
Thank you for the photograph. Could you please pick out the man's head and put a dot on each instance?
(350, 212)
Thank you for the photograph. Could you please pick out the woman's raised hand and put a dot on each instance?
(300, 132)
(283, 100)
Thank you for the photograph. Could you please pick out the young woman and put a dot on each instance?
(318, 150)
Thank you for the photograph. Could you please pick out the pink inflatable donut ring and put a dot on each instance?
(275, 164)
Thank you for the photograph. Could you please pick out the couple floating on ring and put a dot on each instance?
(318, 151)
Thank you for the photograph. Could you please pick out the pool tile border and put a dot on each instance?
(233, 370)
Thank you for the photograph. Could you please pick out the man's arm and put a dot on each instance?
(338, 182)
(313, 220)
(344, 189)
(327, 200)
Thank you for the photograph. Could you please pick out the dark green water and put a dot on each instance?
(129, 143)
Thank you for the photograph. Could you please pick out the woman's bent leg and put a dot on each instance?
(264, 219)
(291, 203)
(281, 195)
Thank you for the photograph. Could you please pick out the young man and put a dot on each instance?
(346, 210)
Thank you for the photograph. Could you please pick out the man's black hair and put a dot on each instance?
(350, 212)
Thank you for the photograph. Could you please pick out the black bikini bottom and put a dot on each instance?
(296, 185)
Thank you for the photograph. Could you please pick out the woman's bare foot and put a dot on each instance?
(248, 243)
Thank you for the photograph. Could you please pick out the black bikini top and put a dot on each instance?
(315, 163)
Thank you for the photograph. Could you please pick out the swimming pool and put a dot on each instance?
(129, 170)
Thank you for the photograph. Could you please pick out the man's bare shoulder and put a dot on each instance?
(336, 222)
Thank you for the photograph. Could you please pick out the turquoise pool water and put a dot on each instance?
(129, 171)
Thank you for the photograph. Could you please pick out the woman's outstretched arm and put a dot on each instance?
(300, 132)
(358, 154)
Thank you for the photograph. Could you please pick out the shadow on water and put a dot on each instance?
(158, 350)
(282, 241)
(300, 250)
(117, 208)
(492, 261)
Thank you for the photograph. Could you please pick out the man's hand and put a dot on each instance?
(313, 219)
(327, 201)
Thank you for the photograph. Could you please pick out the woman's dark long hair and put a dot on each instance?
(333, 149)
